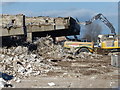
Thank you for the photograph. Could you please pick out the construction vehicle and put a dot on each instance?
(109, 42)
(105, 43)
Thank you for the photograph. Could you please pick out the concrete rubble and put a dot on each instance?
(51, 84)
(22, 63)
(48, 49)
(2, 83)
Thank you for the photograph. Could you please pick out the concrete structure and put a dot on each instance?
(13, 25)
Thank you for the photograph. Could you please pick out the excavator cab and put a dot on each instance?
(109, 42)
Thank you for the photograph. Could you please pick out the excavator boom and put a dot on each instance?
(106, 43)
(103, 19)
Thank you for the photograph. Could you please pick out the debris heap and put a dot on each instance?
(47, 49)
(48, 57)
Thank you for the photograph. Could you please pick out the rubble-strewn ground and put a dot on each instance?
(51, 66)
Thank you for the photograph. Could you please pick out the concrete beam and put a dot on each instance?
(13, 25)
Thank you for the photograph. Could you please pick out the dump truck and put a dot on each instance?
(105, 43)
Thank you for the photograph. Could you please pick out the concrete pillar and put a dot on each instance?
(29, 37)
(115, 61)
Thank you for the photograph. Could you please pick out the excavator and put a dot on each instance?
(105, 43)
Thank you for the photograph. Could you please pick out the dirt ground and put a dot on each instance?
(75, 74)
(51, 66)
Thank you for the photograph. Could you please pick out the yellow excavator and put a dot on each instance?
(105, 43)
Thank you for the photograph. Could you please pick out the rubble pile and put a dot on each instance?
(84, 55)
(47, 49)
(21, 63)
(17, 60)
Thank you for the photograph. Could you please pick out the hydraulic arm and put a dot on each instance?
(103, 19)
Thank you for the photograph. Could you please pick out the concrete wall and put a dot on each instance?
(20, 24)
(46, 23)
(11, 24)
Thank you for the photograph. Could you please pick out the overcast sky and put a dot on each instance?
(81, 10)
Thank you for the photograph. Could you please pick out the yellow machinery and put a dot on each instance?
(80, 46)
(109, 42)
(104, 43)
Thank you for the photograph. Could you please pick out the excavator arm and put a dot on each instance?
(103, 19)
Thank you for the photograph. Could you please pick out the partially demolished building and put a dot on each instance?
(40, 26)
